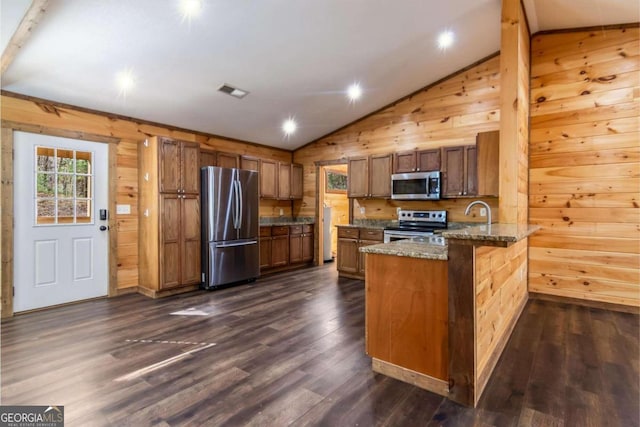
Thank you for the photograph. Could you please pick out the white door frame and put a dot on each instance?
(6, 205)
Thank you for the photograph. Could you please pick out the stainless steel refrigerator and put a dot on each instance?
(230, 202)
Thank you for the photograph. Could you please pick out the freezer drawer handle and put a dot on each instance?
(228, 245)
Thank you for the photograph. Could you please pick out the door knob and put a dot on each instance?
(104, 228)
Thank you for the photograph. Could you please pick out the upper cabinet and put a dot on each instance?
(416, 161)
(488, 144)
(179, 166)
(228, 160)
(284, 181)
(250, 163)
(370, 176)
(207, 158)
(268, 179)
(471, 170)
(297, 178)
(280, 180)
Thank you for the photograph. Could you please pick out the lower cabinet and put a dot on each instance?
(283, 247)
(351, 262)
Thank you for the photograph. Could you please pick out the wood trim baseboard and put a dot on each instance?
(592, 28)
(586, 303)
(152, 293)
(417, 379)
(126, 291)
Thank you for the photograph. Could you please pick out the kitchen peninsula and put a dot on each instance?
(443, 324)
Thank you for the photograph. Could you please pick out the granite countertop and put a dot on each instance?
(410, 249)
(280, 221)
(495, 232)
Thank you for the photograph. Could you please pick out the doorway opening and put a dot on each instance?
(332, 208)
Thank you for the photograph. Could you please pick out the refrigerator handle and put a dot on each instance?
(236, 211)
(241, 203)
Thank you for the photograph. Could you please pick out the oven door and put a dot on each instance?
(394, 235)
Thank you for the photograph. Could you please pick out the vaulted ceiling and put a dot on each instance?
(295, 58)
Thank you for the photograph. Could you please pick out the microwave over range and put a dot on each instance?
(416, 186)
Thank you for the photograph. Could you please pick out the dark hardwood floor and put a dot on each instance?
(289, 349)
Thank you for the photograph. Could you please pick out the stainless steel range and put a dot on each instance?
(418, 225)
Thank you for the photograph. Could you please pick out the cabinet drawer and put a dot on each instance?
(265, 231)
(307, 228)
(348, 233)
(295, 229)
(368, 234)
(280, 230)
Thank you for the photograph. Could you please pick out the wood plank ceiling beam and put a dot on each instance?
(30, 20)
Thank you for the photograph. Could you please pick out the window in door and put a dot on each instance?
(64, 186)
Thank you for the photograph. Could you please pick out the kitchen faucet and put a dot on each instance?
(480, 202)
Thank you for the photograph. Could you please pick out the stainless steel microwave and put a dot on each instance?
(416, 186)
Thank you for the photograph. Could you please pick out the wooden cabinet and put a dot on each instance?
(351, 262)
(471, 170)
(297, 178)
(179, 165)
(407, 317)
(301, 243)
(295, 244)
(279, 246)
(250, 163)
(308, 243)
(364, 182)
(227, 160)
(265, 247)
(169, 247)
(283, 247)
(488, 161)
(268, 179)
(416, 161)
(207, 158)
(284, 181)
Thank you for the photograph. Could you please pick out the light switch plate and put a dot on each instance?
(123, 209)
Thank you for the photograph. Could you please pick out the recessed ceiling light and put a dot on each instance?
(233, 91)
(125, 81)
(445, 39)
(354, 92)
(289, 126)
(190, 8)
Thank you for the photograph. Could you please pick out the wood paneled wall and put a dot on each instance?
(501, 293)
(585, 165)
(50, 115)
(449, 113)
(514, 117)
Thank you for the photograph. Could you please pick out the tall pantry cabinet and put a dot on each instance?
(169, 248)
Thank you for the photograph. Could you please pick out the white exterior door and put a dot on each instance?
(60, 253)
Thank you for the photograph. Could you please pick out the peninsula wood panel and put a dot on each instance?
(585, 165)
(49, 115)
(501, 292)
(450, 113)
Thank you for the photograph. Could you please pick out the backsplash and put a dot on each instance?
(386, 209)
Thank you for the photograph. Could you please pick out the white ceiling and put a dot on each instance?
(296, 58)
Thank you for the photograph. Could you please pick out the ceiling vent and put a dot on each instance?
(233, 91)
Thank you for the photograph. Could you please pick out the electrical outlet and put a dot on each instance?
(281, 212)
(362, 210)
(483, 211)
(398, 209)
